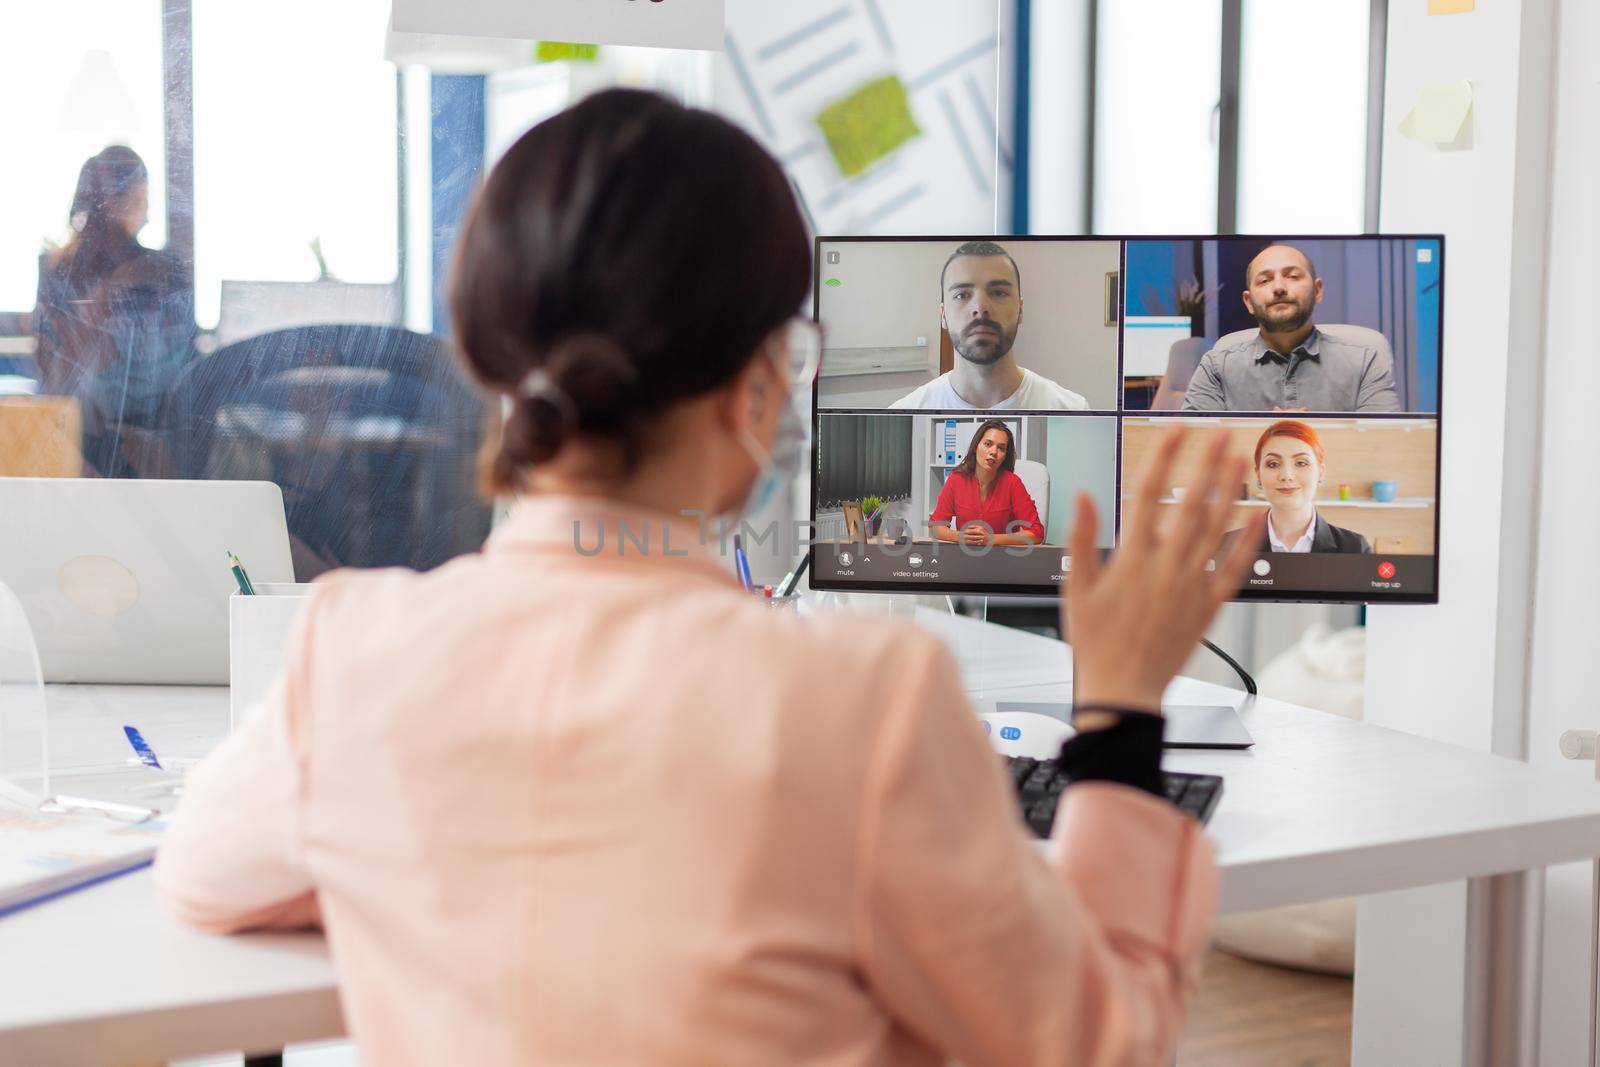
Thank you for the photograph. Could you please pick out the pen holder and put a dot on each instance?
(258, 631)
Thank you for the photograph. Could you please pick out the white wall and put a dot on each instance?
(888, 298)
(1561, 689)
(1472, 197)
(1457, 671)
(1081, 454)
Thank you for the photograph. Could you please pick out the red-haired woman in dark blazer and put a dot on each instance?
(1290, 465)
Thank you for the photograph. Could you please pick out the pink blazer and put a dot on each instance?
(607, 809)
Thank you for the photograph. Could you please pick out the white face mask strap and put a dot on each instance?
(758, 452)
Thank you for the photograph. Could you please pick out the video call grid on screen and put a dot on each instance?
(1350, 477)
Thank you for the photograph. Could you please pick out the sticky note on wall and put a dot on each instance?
(867, 125)
(1450, 7)
(558, 51)
(1440, 114)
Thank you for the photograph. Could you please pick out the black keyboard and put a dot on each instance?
(1040, 782)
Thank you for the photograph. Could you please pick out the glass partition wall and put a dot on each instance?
(224, 257)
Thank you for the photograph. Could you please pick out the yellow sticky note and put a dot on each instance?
(868, 124)
(1439, 114)
(1450, 7)
(556, 51)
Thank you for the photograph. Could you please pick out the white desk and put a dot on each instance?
(101, 976)
(1322, 807)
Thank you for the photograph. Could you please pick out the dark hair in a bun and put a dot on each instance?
(627, 254)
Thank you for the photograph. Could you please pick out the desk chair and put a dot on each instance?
(1183, 358)
(370, 431)
(1036, 479)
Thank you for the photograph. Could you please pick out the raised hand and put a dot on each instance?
(1134, 619)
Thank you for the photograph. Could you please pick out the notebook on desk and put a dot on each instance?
(44, 855)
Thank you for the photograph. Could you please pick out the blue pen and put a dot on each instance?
(147, 755)
(742, 562)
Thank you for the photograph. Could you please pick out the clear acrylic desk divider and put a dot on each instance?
(905, 605)
(24, 741)
(980, 692)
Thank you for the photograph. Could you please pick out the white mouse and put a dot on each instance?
(1025, 733)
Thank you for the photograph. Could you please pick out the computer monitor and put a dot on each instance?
(971, 388)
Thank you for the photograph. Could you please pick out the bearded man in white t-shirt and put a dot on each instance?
(980, 307)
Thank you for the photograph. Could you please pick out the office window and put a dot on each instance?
(1158, 73)
(1058, 116)
(416, 137)
(1302, 116)
(75, 76)
(295, 150)
(517, 100)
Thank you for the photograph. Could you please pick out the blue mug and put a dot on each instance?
(1385, 492)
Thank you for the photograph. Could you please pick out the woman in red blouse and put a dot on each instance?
(983, 494)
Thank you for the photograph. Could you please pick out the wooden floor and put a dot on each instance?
(1252, 1015)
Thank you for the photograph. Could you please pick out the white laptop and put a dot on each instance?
(128, 581)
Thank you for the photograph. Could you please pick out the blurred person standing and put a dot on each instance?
(114, 320)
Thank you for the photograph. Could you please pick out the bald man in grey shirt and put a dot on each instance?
(1289, 364)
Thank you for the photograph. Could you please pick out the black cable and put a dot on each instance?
(1244, 675)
